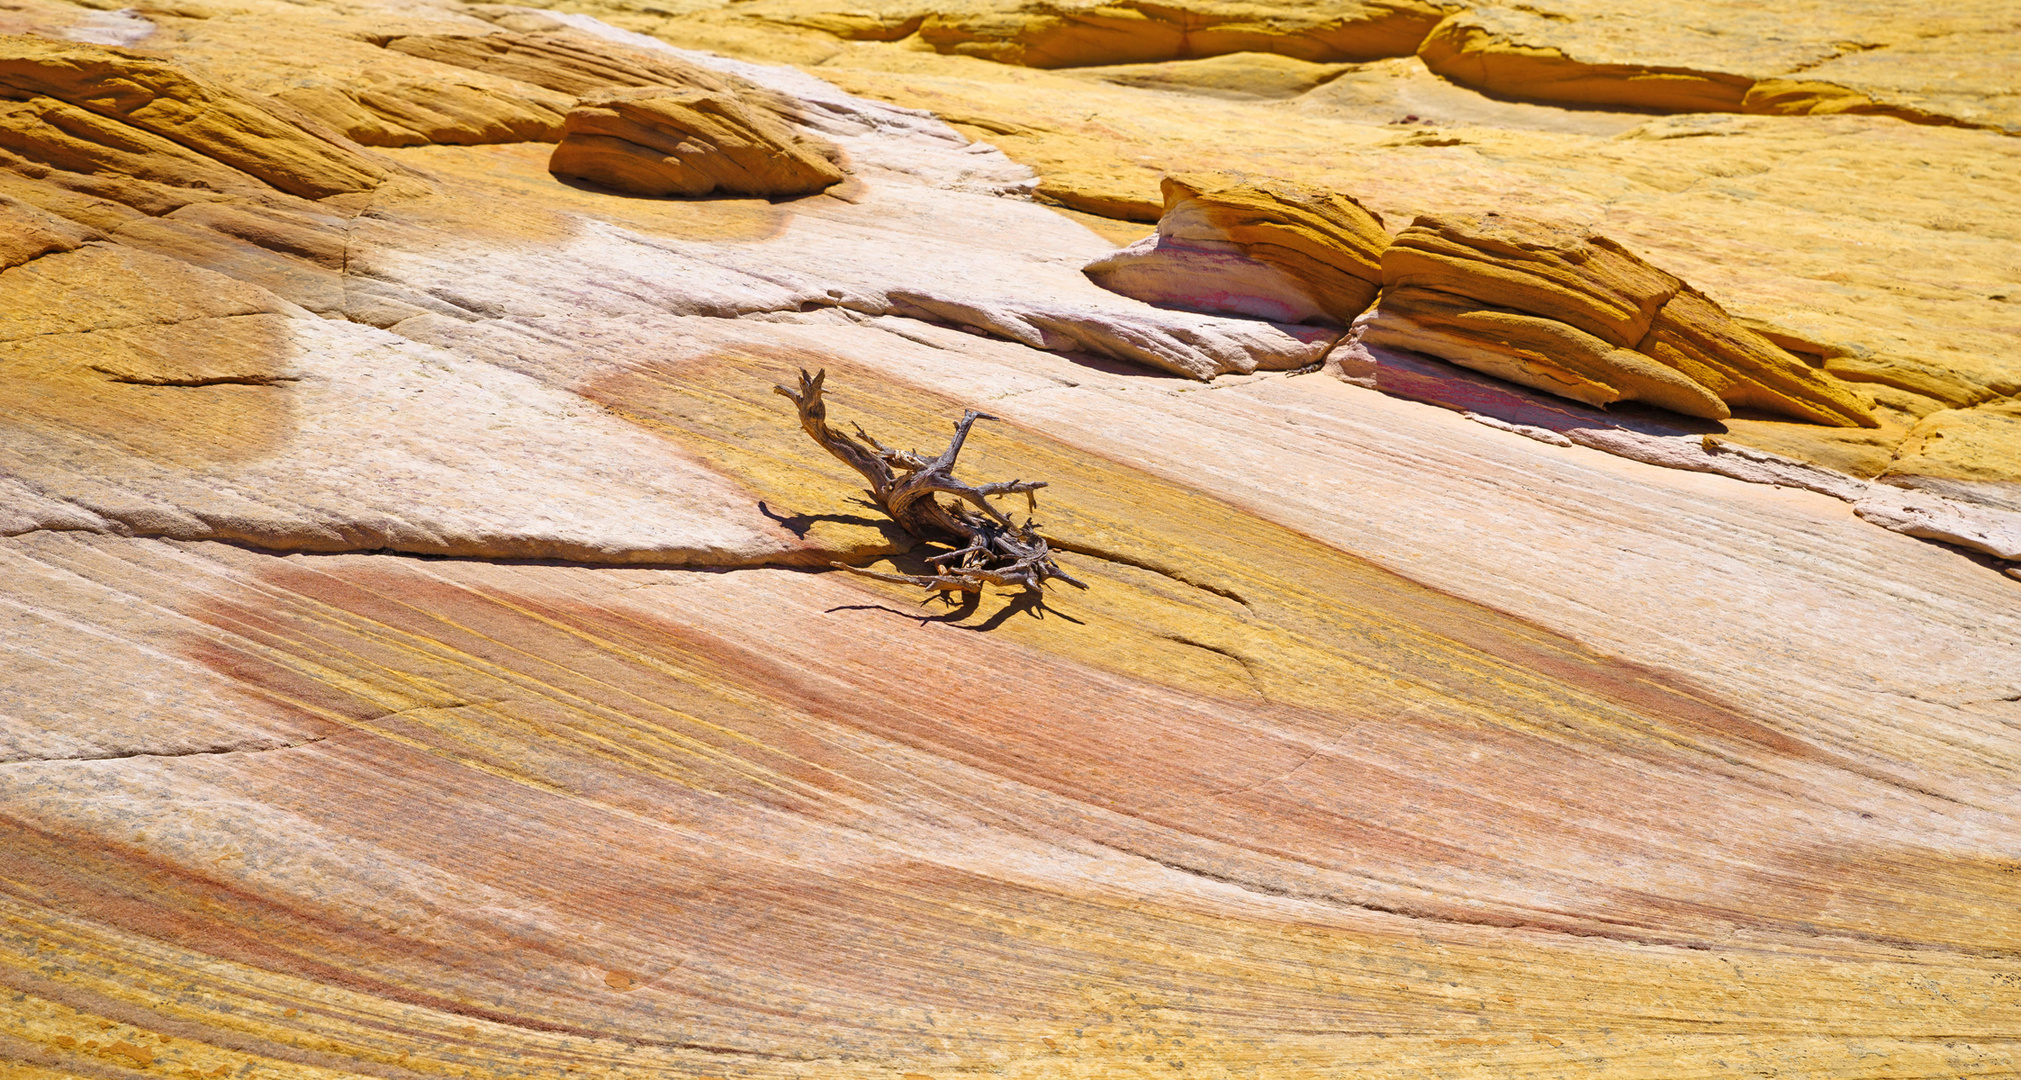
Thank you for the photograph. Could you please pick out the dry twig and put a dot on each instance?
(992, 550)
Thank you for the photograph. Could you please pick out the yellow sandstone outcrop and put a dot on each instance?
(1974, 449)
(442, 113)
(1566, 274)
(1241, 76)
(568, 63)
(1578, 315)
(1279, 251)
(523, 85)
(689, 142)
(1792, 60)
(1054, 35)
(1698, 338)
(1809, 97)
(1544, 353)
(1477, 49)
(59, 135)
(154, 97)
(27, 233)
(1798, 57)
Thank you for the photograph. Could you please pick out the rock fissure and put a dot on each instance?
(138, 326)
(209, 751)
(197, 381)
(1268, 780)
(1082, 547)
(446, 707)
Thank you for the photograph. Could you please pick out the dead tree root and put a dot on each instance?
(990, 549)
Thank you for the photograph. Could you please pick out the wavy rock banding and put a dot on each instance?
(419, 658)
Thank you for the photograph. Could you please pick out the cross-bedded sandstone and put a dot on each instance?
(1573, 313)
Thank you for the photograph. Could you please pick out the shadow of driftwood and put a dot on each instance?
(1020, 603)
(800, 524)
(961, 606)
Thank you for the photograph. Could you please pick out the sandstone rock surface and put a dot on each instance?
(415, 664)
(1578, 315)
(1047, 35)
(1276, 252)
(138, 92)
(1240, 75)
(689, 142)
(1800, 57)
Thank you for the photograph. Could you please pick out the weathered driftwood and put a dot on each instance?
(991, 549)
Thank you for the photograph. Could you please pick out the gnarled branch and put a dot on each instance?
(994, 550)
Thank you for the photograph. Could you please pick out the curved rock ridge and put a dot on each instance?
(1281, 252)
(1480, 50)
(1576, 314)
(568, 61)
(1050, 34)
(140, 100)
(689, 142)
(520, 88)
(1079, 33)
(431, 112)
(1239, 75)
(1577, 53)
(1860, 58)
(27, 233)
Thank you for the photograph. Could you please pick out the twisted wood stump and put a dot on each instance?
(991, 549)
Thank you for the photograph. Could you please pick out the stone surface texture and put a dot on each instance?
(1578, 315)
(689, 142)
(1276, 252)
(419, 657)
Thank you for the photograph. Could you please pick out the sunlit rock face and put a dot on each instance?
(1275, 252)
(424, 657)
(689, 142)
(1578, 315)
